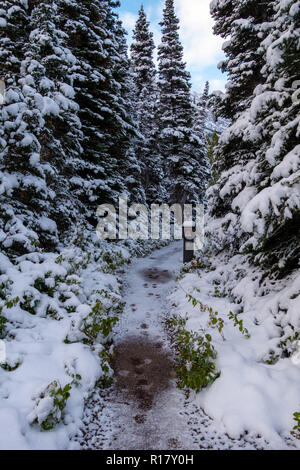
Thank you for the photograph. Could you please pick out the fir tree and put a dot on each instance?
(212, 142)
(23, 187)
(182, 151)
(144, 76)
(102, 85)
(43, 132)
(257, 199)
(203, 105)
(242, 22)
(201, 114)
(48, 62)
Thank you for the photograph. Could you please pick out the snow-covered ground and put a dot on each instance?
(256, 392)
(250, 406)
(47, 300)
(243, 409)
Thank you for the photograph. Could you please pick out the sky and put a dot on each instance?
(202, 49)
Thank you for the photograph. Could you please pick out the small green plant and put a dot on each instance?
(288, 344)
(8, 304)
(76, 378)
(217, 293)
(98, 321)
(113, 261)
(195, 367)
(3, 322)
(11, 302)
(296, 428)
(9, 367)
(59, 397)
(214, 319)
(239, 324)
(272, 358)
(29, 303)
(106, 356)
(41, 285)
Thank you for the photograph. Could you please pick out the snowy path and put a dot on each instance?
(144, 409)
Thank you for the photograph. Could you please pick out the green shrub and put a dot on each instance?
(59, 397)
(195, 366)
(296, 428)
(3, 322)
(98, 321)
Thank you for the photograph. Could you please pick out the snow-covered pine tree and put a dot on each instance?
(262, 194)
(200, 106)
(144, 76)
(102, 85)
(40, 131)
(242, 24)
(130, 168)
(185, 164)
(47, 80)
(23, 188)
(142, 49)
(211, 143)
(203, 105)
(271, 217)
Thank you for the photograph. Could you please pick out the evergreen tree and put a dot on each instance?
(142, 49)
(257, 199)
(212, 142)
(144, 76)
(203, 105)
(182, 151)
(241, 23)
(40, 132)
(23, 187)
(48, 62)
(102, 85)
(201, 114)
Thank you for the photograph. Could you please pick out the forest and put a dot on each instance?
(87, 118)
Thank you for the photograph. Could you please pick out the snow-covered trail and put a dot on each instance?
(151, 416)
(144, 410)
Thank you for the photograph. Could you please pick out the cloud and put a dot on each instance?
(128, 19)
(199, 79)
(218, 84)
(201, 47)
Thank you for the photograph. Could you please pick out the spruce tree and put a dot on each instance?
(212, 142)
(257, 198)
(201, 114)
(49, 62)
(40, 136)
(203, 105)
(242, 25)
(271, 218)
(23, 188)
(144, 76)
(102, 85)
(182, 151)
